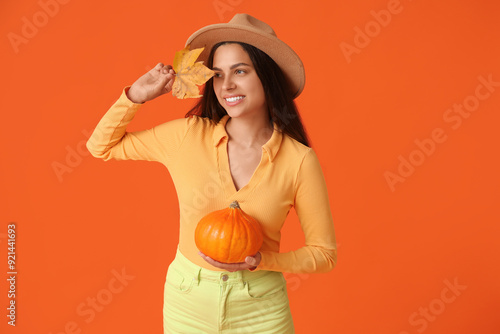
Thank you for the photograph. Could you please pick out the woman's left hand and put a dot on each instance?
(251, 262)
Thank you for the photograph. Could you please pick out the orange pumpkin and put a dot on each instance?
(229, 235)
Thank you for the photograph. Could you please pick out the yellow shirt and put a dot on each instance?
(194, 150)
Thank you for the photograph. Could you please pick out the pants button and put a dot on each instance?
(225, 277)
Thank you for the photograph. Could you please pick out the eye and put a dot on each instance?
(239, 71)
(217, 75)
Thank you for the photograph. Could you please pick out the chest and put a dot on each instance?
(209, 178)
(242, 164)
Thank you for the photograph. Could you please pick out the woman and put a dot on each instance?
(242, 141)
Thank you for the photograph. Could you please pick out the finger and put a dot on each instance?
(169, 80)
(167, 69)
(235, 266)
(158, 66)
(251, 260)
(208, 259)
(226, 266)
(168, 87)
(214, 263)
(166, 81)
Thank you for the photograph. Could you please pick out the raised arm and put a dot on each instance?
(110, 140)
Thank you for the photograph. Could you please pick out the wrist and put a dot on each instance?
(132, 98)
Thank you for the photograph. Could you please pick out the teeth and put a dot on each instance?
(233, 99)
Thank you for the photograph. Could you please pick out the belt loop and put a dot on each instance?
(197, 276)
(242, 278)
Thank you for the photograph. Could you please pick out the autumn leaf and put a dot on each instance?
(189, 73)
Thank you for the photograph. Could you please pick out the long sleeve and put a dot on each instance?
(110, 140)
(313, 210)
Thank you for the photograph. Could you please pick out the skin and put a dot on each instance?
(248, 127)
(236, 75)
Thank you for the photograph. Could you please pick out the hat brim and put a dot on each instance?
(279, 51)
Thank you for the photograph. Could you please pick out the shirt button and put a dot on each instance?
(225, 277)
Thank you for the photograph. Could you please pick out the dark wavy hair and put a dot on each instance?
(279, 97)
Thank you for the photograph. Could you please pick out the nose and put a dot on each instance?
(228, 83)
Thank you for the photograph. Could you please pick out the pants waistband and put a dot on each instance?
(199, 273)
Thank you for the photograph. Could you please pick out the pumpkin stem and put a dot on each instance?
(234, 205)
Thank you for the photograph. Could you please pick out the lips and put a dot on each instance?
(233, 99)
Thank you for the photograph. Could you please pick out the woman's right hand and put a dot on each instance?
(157, 81)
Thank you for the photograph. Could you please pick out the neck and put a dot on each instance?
(249, 132)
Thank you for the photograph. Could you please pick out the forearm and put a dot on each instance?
(308, 259)
(112, 127)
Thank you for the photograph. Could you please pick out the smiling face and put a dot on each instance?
(236, 83)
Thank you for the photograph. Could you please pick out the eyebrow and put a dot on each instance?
(232, 67)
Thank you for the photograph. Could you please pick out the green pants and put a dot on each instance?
(198, 300)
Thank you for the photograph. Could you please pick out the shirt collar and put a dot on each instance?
(271, 147)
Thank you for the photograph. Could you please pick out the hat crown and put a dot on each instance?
(253, 23)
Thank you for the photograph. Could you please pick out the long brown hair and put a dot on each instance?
(280, 104)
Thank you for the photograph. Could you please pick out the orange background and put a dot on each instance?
(399, 247)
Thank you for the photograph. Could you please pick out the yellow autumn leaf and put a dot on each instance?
(189, 73)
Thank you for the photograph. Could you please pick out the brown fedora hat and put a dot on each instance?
(247, 29)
